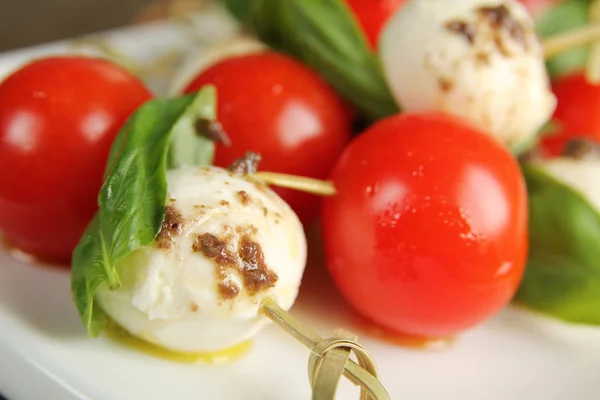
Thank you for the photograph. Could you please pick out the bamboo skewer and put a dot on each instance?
(592, 71)
(329, 358)
(572, 39)
(310, 185)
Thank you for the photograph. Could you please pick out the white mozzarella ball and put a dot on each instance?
(477, 59)
(226, 244)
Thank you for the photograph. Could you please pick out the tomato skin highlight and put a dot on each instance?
(58, 118)
(427, 235)
(538, 7)
(577, 113)
(273, 105)
(372, 16)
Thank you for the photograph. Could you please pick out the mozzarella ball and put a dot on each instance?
(478, 59)
(226, 244)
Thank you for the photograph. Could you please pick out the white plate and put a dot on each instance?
(45, 353)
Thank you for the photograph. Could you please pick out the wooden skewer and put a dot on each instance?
(327, 374)
(592, 71)
(326, 362)
(310, 185)
(572, 39)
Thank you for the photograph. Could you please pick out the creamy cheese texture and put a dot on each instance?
(226, 244)
(478, 59)
(580, 175)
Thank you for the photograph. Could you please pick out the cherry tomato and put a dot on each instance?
(372, 16)
(538, 7)
(576, 114)
(427, 234)
(273, 105)
(58, 118)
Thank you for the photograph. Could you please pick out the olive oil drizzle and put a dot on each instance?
(119, 335)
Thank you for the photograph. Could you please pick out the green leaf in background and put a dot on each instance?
(132, 198)
(566, 15)
(324, 35)
(563, 272)
(240, 9)
(526, 143)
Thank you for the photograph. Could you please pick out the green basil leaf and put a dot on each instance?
(240, 9)
(566, 15)
(563, 271)
(324, 35)
(526, 144)
(550, 128)
(187, 146)
(132, 198)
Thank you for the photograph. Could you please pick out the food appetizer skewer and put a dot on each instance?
(469, 58)
(455, 78)
(225, 245)
(429, 253)
(187, 257)
(425, 214)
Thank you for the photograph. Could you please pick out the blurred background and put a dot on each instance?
(29, 22)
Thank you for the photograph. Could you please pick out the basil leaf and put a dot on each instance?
(550, 128)
(563, 272)
(189, 147)
(566, 15)
(324, 35)
(132, 198)
(240, 9)
(525, 144)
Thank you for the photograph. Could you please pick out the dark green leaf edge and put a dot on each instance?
(566, 15)
(325, 36)
(131, 200)
(562, 278)
(240, 9)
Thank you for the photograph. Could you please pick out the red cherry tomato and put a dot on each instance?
(58, 118)
(537, 7)
(279, 108)
(372, 16)
(427, 234)
(576, 114)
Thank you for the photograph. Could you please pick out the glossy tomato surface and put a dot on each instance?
(427, 235)
(538, 7)
(273, 105)
(58, 118)
(577, 113)
(372, 16)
